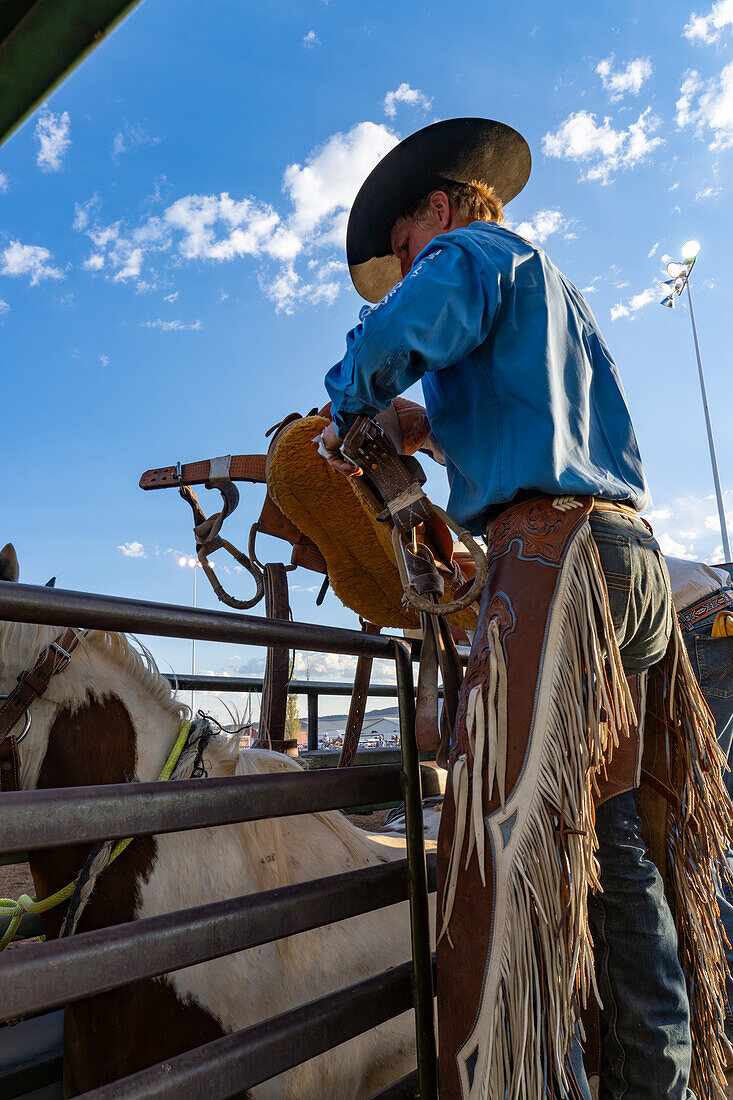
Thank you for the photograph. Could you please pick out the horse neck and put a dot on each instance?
(96, 729)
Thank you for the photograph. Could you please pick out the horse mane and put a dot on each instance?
(21, 643)
(136, 660)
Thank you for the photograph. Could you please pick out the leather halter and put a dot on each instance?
(32, 683)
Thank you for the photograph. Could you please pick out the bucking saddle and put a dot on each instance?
(384, 547)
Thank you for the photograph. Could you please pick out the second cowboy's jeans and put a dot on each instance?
(712, 662)
(645, 1021)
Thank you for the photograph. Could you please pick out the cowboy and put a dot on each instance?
(526, 403)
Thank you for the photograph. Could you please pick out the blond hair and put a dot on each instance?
(474, 201)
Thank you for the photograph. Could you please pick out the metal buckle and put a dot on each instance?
(64, 654)
(26, 727)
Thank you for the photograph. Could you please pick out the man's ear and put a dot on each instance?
(440, 206)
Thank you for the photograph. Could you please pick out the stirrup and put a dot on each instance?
(206, 531)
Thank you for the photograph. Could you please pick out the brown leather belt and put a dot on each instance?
(601, 504)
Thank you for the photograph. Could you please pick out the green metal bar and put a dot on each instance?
(422, 980)
(44, 46)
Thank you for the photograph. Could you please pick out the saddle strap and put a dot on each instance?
(395, 478)
(228, 468)
(438, 654)
(357, 707)
(277, 668)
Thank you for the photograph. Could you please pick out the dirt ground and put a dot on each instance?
(370, 822)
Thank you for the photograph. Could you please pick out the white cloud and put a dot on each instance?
(619, 82)
(598, 148)
(104, 360)
(411, 97)
(52, 132)
(310, 40)
(322, 190)
(132, 550)
(4, 307)
(708, 105)
(129, 138)
(542, 225)
(174, 326)
(172, 297)
(4, 184)
(689, 527)
(29, 259)
(652, 250)
(709, 28)
(636, 302)
(219, 228)
(707, 193)
(287, 290)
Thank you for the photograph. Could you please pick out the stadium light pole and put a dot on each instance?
(680, 279)
(192, 563)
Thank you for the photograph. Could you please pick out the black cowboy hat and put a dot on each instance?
(457, 150)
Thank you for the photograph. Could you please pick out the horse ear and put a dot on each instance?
(9, 568)
(51, 583)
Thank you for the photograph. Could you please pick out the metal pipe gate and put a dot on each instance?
(45, 975)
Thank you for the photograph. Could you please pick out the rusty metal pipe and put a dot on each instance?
(231, 1065)
(48, 974)
(427, 1059)
(73, 815)
(28, 603)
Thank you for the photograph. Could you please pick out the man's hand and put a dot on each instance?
(329, 445)
(414, 426)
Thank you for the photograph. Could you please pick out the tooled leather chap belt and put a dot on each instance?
(715, 601)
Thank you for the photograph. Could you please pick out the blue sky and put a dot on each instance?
(172, 277)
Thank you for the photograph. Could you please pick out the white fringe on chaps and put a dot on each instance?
(544, 704)
(541, 946)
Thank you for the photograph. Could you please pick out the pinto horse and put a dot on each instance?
(110, 717)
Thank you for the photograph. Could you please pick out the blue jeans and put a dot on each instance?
(712, 662)
(645, 1023)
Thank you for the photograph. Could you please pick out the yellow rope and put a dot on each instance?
(15, 910)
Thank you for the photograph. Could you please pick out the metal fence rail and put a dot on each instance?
(117, 810)
(228, 1066)
(46, 975)
(43, 975)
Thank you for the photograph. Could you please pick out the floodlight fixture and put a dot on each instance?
(680, 279)
(690, 250)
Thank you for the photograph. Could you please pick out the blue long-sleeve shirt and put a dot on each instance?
(520, 388)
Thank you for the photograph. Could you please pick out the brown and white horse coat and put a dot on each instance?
(109, 717)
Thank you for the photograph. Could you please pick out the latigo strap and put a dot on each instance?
(210, 470)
